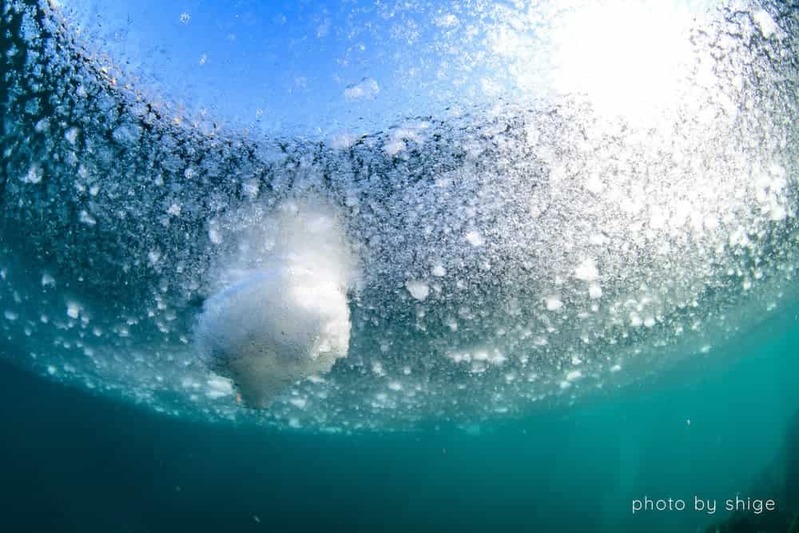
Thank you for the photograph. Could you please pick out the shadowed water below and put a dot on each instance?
(73, 462)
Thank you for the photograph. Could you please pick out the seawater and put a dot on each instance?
(712, 428)
(556, 325)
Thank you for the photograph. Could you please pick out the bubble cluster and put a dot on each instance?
(506, 254)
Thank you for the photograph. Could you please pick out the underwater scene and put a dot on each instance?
(399, 265)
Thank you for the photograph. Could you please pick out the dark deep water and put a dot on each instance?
(72, 462)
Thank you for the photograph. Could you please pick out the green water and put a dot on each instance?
(72, 462)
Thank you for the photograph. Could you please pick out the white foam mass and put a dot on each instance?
(288, 319)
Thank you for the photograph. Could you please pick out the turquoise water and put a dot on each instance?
(77, 462)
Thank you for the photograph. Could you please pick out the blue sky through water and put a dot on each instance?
(317, 68)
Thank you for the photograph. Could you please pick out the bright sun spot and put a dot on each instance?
(628, 59)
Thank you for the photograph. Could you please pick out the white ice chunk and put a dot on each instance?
(595, 291)
(765, 23)
(366, 89)
(553, 303)
(418, 289)
(85, 218)
(73, 309)
(298, 402)
(219, 387)
(586, 271)
(34, 175)
(574, 375)
(474, 238)
(289, 321)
